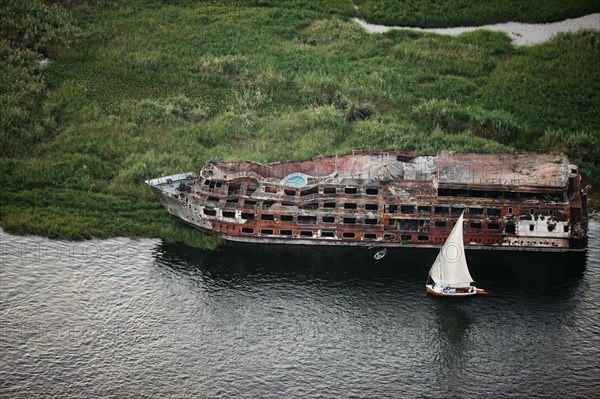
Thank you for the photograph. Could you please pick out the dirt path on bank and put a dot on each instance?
(521, 34)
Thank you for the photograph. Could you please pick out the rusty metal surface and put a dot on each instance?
(505, 170)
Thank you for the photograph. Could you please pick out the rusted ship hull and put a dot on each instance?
(522, 202)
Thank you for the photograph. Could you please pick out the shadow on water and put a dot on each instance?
(551, 276)
(277, 261)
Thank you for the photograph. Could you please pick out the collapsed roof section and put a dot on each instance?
(503, 170)
(507, 171)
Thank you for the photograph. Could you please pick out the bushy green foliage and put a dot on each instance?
(22, 121)
(35, 26)
(178, 109)
(29, 32)
(154, 88)
(381, 134)
(326, 32)
(440, 14)
(445, 57)
(70, 214)
(299, 135)
(552, 85)
(582, 145)
(496, 125)
(582, 149)
(227, 66)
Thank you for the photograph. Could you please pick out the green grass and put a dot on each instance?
(450, 13)
(139, 89)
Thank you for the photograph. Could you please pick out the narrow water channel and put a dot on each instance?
(522, 34)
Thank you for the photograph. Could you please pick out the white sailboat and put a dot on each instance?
(449, 275)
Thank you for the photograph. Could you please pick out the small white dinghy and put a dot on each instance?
(449, 275)
(380, 254)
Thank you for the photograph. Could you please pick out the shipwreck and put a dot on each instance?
(530, 202)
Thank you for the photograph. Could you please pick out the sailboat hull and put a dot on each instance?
(455, 292)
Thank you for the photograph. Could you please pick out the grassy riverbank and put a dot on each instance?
(450, 13)
(140, 89)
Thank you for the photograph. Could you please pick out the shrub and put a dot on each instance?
(29, 31)
(359, 111)
(174, 109)
(140, 167)
(322, 89)
(581, 145)
(22, 121)
(324, 32)
(495, 124)
(33, 25)
(232, 67)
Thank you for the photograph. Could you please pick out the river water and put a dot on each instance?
(139, 318)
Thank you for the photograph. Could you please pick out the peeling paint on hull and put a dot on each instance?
(340, 243)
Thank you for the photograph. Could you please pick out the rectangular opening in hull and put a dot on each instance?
(407, 209)
(247, 216)
(307, 219)
(310, 191)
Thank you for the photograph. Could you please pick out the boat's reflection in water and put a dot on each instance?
(514, 274)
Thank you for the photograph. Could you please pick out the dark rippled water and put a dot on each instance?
(119, 318)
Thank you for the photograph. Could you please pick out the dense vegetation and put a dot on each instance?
(447, 13)
(138, 89)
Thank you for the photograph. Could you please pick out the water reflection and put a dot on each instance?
(453, 322)
(452, 349)
(549, 276)
(252, 264)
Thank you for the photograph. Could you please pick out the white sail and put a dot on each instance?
(450, 266)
